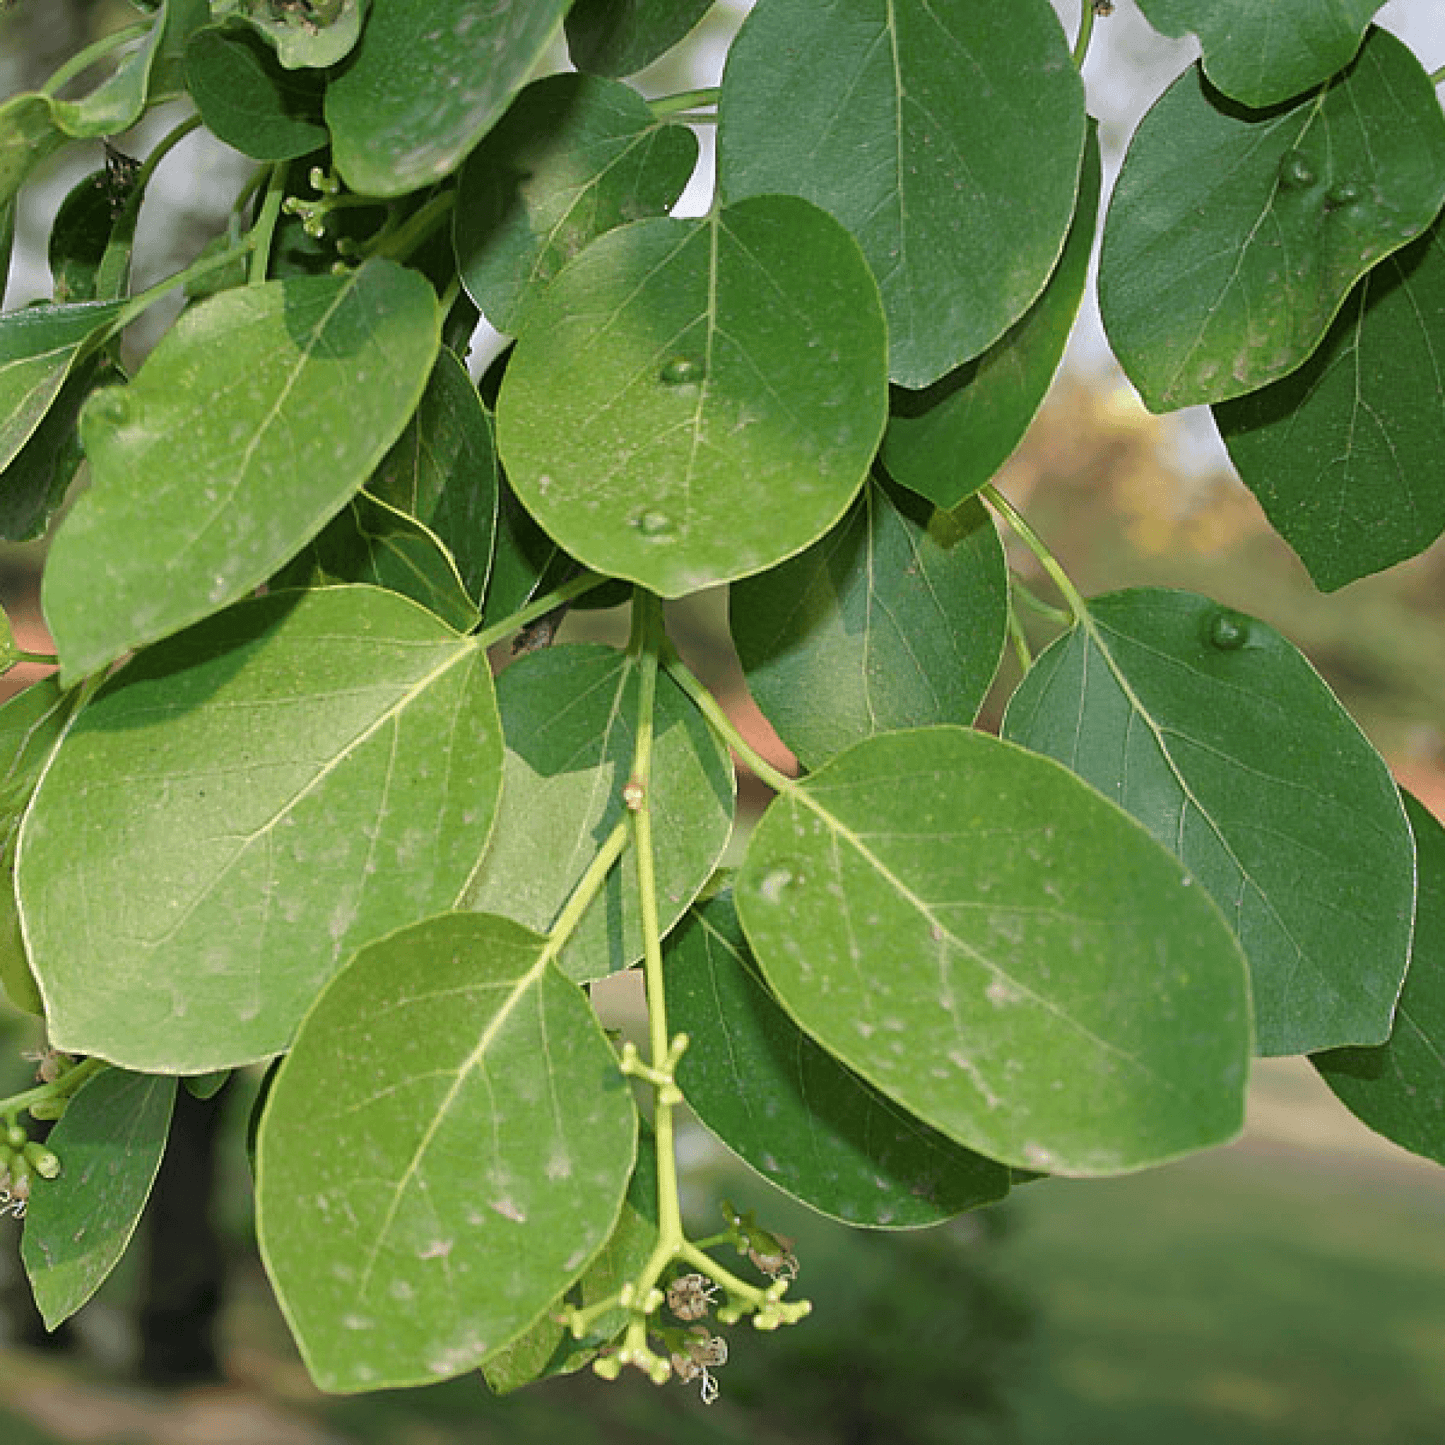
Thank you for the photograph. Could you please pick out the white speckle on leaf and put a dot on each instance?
(508, 1209)
(437, 1249)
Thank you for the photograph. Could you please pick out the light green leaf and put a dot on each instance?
(947, 137)
(1344, 453)
(1260, 54)
(117, 103)
(109, 1144)
(999, 950)
(573, 157)
(38, 348)
(31, 725)
(802, 1120)
(247, 100)
(315, 33)
(443, 470)
(1398, 1089)
(28, 136)
(947, 440)
(621, 37)
(443, 1153)
(1225, 743)
(694, 401)
(570, 717)
(371, 542)
(203, 484)
(1233, 237)
(897, 618)
(428, 80)
(239, 809)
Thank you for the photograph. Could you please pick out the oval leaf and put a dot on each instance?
(621, 37)
(897, 618)
(77, 1226)
(444, 1151)
(573, 157)
(242, 807)
(1344, 453)
(669, 420)
(1398, 1089)
(428, 79)
(1234, 236)
(570, 718)
(116, 104)
(998, 949)
(202, 488)
(802, 1120)
(930, 131)
(946, 441)
(1225, 743)
(1259, 54)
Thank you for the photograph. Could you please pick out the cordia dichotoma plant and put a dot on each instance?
(274, 804)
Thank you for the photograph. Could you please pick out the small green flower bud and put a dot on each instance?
(42, 1160)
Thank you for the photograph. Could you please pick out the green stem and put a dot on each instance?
(46, 659)
(163, 147)
(722, 725)
(1031, 539)
(416, 229)
(1020, 642)
(264, 231)
(539, 607)
(1035, 603)
(144, 300)
(1437, 77)
(1086, 32)
(588, 886)
(62, 1088)
(82, 60)
(670, 105)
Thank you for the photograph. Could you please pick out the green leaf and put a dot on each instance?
(947, 440)
(247, 100)
(118, 102)
(570, 717)
(621, 37)
(28, 137)
(1234, 236)
(802, 1120)
(1002, 952)
(947, 137)
(694, 401)
(202, 485)
(1343, 453)
(79, 236)
(1225, 743)
(897, 618)
(7, 244)
(573, 157)
(109, 1143)
(444, 1151)
(1259, 54)
(1398, 1088)
(31, 725)
(371, 542)
(428, 80)
(315, 33)
(443, 470)
(239, 809)
(38, 348)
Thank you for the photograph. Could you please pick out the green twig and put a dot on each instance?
(144, 300)
(1020, 642)
(61, 1088)
(163, 147)
(1437, 77)
(1086, 32)
(539, 607)
(1035, 603)
(82, 60)
(264, 231)
(398, 244)
(1031, 539)
(684, 100)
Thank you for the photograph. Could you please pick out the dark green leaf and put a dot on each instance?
(947, 440)
(999, 950)
(572, 158)
(28, 136)
(315, 33)
(897, 618)
(801, 1119)
(429, 79)
(443, 470)
(248, 100)
(7, 242)
(947, 137)
(261, 412)
(1260, 54)
(38, 348)
(1234, 236)
(79, 237)
(206, 1086)
(694, 401)
(445, 1150)
(1224, 742)
(1398, 1089)
(570, 718)
(1344, 453)
(109, 1143)
(621, 37)
(239, 809)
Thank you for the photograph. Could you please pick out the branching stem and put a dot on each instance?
(1046, 559)
(61, 1088)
